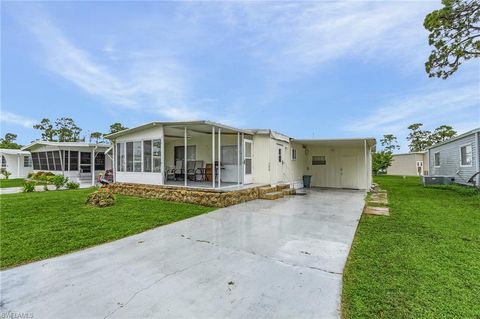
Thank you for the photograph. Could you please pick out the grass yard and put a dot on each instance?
(11, 182)
(35, 226)
(423, 261)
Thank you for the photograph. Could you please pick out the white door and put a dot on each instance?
(348, 171)
(247, 162)
(279, 164)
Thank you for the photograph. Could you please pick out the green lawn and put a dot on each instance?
(423, 261)
(15, 182)
(36, 226)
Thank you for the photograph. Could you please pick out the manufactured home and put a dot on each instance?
(16, 162)
(80, 162)
(409, 164)
(209, 155)
(457, 158)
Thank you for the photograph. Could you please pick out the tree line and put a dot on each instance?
(63, 129)
(418, 138)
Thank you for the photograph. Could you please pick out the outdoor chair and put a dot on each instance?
(174, 173)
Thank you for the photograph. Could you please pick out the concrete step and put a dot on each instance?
(288, 191)
(280, 187)
(272, 195)
(267, 189)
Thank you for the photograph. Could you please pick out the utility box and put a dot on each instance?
(438, 180)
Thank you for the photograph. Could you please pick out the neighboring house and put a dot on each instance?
(457, 157)
(17, 162)
(75, 160)
(221, 157)
(409, 164)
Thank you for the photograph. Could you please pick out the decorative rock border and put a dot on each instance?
(204, 197)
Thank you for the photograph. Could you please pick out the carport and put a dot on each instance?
(339, 163)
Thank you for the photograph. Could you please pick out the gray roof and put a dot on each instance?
(476, 130)
(13, 151)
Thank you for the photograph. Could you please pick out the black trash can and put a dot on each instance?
(306, 180)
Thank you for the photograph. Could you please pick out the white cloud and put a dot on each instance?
(300, 36)
(457, 105)
(154, 84)
(15, 119)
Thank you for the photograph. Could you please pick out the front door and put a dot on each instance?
(247, 162)
(280, 162)
(348, 171)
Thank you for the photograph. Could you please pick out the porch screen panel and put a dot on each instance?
(57, 160)
(43, 161)
(129, 147)
(147, 156)
(51, 162)
(137, 156)
(120, 157)
(73, 160)
(85, 162)
(36, 161)
(157, 156)
(100, 162)
(229, 155)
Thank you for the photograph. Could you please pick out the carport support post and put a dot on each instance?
(185, 157)
(213, 156)
(92, 167)
(219, 157)
(367, 186)
(238, 158)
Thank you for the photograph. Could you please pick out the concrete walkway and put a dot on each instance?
(261, 259)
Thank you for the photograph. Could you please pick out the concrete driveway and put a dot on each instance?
(260, 259)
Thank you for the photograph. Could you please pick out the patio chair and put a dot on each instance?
(174, 173)
(194, 170)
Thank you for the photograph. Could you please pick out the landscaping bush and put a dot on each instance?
(58, 180)
(73, 185)
(41, 175)
(30, 175)
(28, 187)
(101, 198)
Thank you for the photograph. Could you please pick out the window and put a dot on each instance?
(27, 161)
(57, 160)
(43, 161)
(36, 161)
(147, 156)
(121, 157)
(436, 159)
(180, 153)
(73, 160)
(294, 154)
(100, 162)
(279, 155)
(4, 162)
(466, 155)
(229, 155)
(319, 160)
(157, 155)
(129, 147)
(137, 156)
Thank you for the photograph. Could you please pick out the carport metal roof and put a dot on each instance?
(337, 141)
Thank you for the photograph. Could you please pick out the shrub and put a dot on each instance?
(101, 198)
(6, 174)
(42, 176)
(58, 180)
(28, 187)
(30, 175)
(72, 185)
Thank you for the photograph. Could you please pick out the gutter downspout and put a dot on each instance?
(92, 165)
(477, 142)
(367, 186)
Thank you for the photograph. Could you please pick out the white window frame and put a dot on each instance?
(471, 155)
(439, 160)
(29, 160)
(294, 154)
(124, 142)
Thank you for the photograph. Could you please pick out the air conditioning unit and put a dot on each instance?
(438, 180)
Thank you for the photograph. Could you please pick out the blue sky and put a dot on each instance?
(306, 69)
